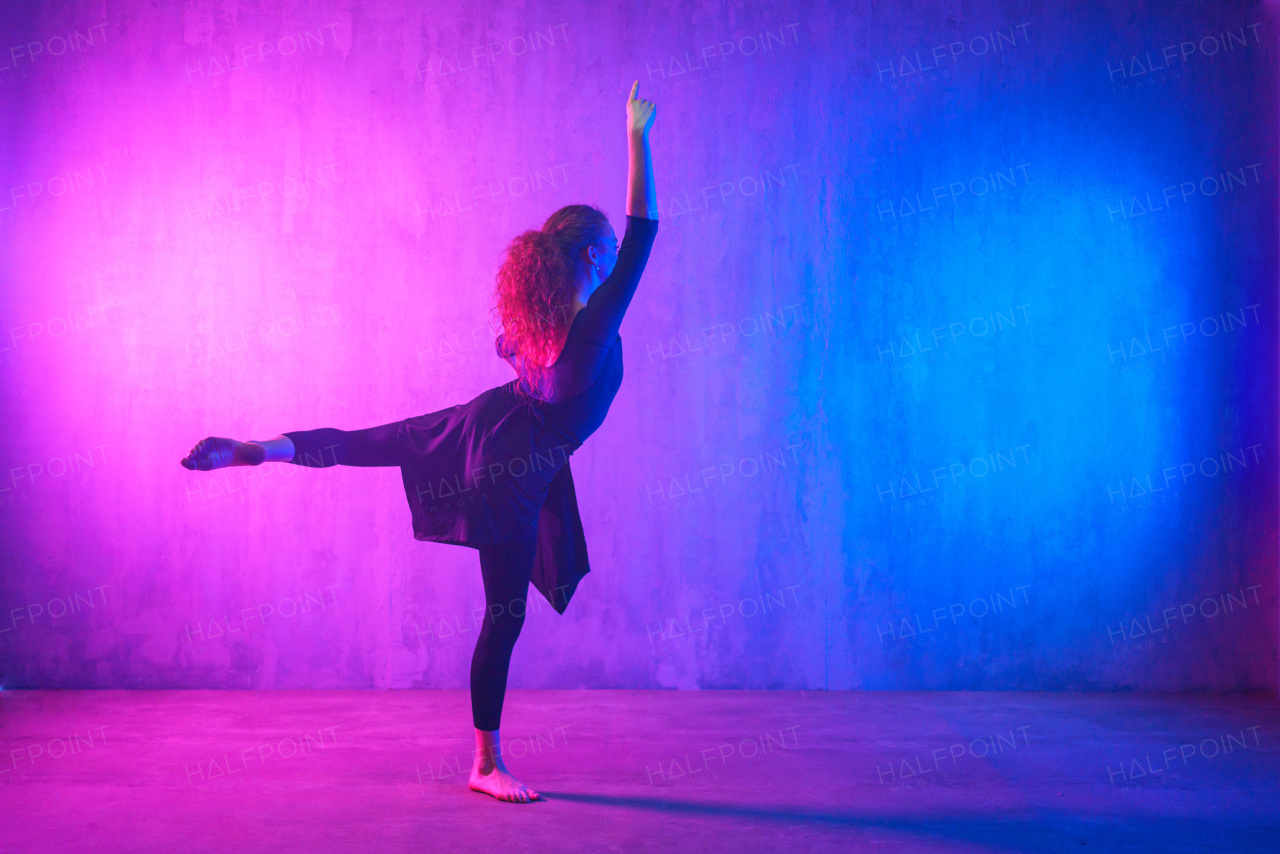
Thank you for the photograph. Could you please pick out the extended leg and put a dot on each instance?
(372, 446)
(506, 568)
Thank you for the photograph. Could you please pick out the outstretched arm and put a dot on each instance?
(642, 198)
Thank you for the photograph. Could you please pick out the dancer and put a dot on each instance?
(493, 474)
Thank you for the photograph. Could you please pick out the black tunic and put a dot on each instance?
(496, 469)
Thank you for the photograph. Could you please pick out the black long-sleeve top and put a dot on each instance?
(588, 372)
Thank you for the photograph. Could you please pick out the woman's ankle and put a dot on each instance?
(277, 450)
(247, 453)
(488, 751)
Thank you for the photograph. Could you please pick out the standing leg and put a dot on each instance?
(506, 568)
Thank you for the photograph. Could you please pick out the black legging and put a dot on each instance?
(505, 567)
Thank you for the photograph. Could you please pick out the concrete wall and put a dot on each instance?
(954, 365)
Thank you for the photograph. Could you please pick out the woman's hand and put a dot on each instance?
(640, 113)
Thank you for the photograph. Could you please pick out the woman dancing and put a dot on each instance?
(493, 474)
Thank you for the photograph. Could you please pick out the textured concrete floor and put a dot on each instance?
(630, 771)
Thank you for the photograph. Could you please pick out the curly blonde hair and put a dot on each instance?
(533, 295)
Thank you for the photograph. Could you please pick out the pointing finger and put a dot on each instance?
(635, 87)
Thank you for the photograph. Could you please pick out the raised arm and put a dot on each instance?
(606, 307)
(642, 198)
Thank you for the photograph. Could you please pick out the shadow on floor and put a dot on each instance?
(1042, 832)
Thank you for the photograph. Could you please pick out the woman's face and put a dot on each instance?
(606, 252)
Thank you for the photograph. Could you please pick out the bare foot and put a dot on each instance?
(497, 781)
(215, 453)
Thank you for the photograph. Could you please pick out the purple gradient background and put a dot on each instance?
(303, 241)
